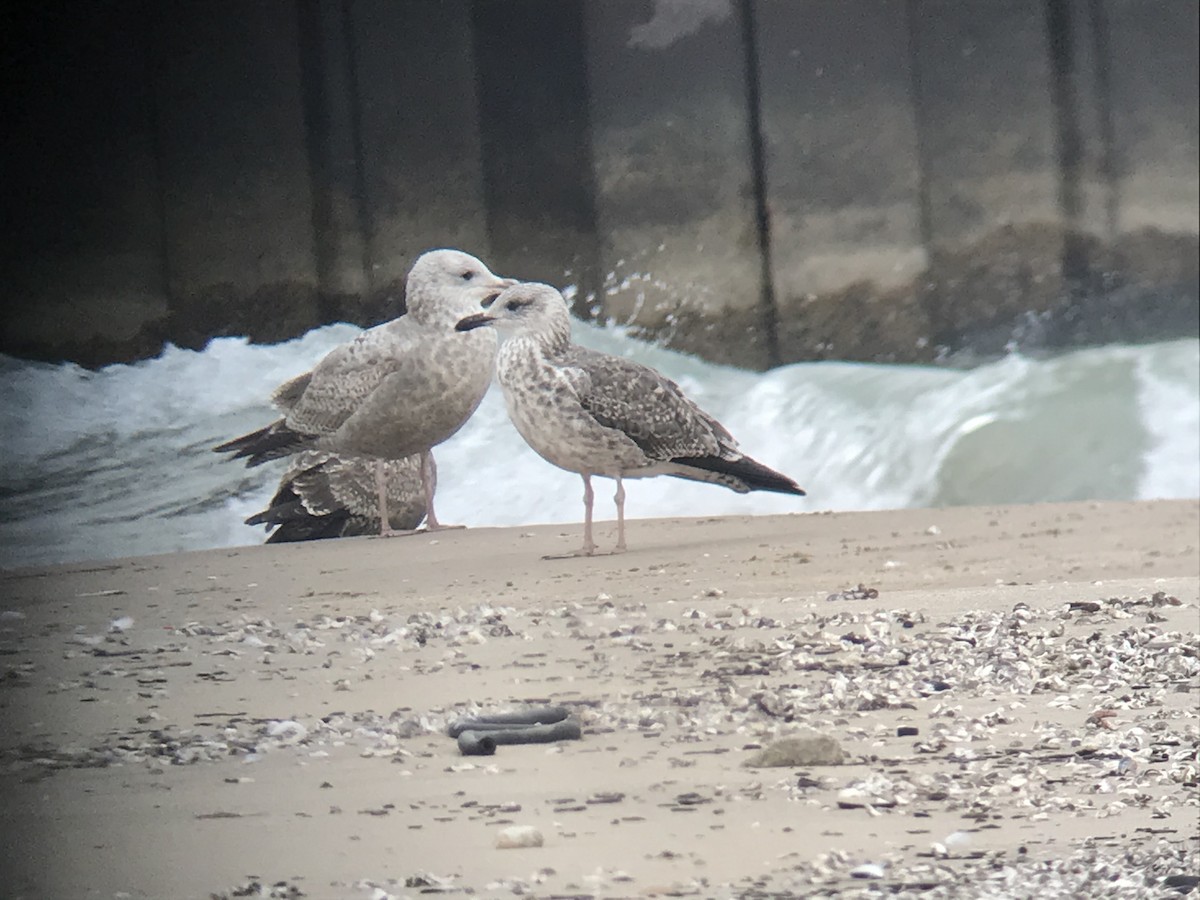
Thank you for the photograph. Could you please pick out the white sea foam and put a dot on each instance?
(1167, 386)
(118, 462)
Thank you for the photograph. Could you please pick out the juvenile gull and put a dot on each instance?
(323, 495)
(595, 414)
(397, 389)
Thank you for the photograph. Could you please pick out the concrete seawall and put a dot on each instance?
(756, 181)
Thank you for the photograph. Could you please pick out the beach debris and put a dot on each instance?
(515, 837)
(484, 743)
(876, 791)
(952, 844)
(804, 750)
(862, 592)
(255, 887)
(957, 840)
(734, 680)
(1087, 606)
(539, 715)
(286, 731)
(429, 882)
(867, 870)
(605, 797)
(1103, 718)
(1184, 884)
(481, 735)
(120, 625)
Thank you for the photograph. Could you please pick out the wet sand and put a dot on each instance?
(195, 724)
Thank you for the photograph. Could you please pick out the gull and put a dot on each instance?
(398, 389)
(323, 495)
(596, 414)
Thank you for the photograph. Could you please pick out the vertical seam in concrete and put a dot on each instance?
(1068, 139)
(920, 124)
(476, 99)
(491, 226)
(151, 39)
(929, 294)
(314, 106)
(590, 276)
(1109, 168)
(362, 205)
(758, 168)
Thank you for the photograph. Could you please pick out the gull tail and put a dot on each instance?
(288, 520)
(285, 505)
(273, 442)
(742, 474)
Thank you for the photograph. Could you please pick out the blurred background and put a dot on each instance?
(982, 217)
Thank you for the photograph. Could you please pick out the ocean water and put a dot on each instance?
(117, 462)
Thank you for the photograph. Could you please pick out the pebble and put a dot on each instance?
(518, 836)
(867, 870)
(808, 750)
(287, 731)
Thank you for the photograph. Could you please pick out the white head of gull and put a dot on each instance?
(596, 414)
(398, 389)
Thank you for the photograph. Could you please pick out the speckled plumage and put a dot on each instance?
(397, 389)
(323, 495)
(596, 414)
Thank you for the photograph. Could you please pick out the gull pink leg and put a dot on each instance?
(620, 498)
(589, 546)
(429, 483)
(429, 480)
(385, 526)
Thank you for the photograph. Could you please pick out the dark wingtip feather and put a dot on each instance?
(308, 527)
(754, 475)
(273, 442)
(288, 520)
(286, 504)
(238, 443)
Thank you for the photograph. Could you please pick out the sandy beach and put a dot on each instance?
(1015, 690)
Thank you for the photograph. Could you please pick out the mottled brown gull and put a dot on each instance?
(595, 414)
(397, 389)
(323, 495)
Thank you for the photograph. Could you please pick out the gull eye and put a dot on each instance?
(467, 275)
(513, 305)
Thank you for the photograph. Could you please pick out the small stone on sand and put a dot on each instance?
(809, 750)
(517, 836)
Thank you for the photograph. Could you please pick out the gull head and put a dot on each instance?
(524, 308)
(448, 284)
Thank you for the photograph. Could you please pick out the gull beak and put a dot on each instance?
(476, 321)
